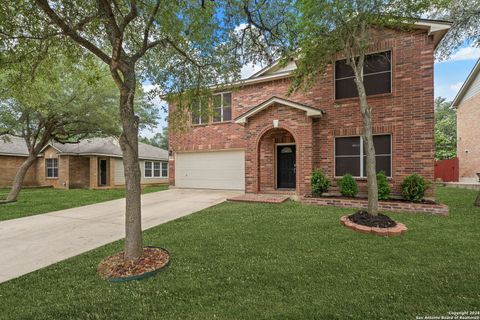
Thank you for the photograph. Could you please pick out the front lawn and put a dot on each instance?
(260, 261)
(35, 201)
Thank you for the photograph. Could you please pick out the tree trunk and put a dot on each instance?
(19, 177)
(369, 148)
(477, 201)
(129, 145)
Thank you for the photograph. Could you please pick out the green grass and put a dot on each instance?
(35, 201)
(289, 261)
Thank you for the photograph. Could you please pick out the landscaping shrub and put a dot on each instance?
(320, 183)
(414, 187)
(383, 187)
(348, 186)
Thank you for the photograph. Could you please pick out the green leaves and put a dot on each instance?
(326, 29)
(445, 129)
(62, 102)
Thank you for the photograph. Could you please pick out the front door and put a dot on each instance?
(102, 172)
(286, 171)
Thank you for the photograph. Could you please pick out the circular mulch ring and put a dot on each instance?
(116, 269)
(380, 225)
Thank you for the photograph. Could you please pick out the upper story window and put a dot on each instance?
(222, 107)
(156, 169)
(377, 76)
(51, 168)
(197, 117)
(350, 156)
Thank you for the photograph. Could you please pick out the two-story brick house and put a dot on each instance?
(263, 141)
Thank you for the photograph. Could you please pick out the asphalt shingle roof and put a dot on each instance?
(13, 146)
(100, 146)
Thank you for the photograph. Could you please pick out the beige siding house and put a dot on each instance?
(91, 163)
(467, 103)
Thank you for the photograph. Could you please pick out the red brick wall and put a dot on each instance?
(8, 169)
(407, 113)
(79, 172)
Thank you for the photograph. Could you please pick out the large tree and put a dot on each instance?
(160, 139)
(63, 103)
(180, 46)
(445, 129)
(465, 15)
(328, 30)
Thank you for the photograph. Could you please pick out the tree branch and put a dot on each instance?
(72, 33)
(131, 15)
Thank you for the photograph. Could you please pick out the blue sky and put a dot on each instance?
(450, 74)
(449, 77)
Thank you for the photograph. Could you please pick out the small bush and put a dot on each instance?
(414, 187)
(320, 183)
(383, 187)
(348, 186)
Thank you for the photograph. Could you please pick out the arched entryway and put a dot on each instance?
(277, 161)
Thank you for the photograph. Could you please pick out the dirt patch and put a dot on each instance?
(116, 267)
(365, 219)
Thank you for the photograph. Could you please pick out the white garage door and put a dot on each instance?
(210, 170)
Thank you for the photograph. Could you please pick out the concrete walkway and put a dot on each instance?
(30, 243)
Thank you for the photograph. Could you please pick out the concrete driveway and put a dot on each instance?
(30, 243)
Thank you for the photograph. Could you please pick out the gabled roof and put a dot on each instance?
(93, 146)
(472, 77)
(312, 112)
(107, 147)
(13, 146)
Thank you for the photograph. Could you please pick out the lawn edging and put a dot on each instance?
(394, 206)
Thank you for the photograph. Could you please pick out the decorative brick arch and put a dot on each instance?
(267, 130)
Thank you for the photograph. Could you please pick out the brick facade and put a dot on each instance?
(63, 179)
(407, 114)
(468, 146)
(8, 169)
(73, 171)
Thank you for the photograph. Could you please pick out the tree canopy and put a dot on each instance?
(445, 129)
(465, 15)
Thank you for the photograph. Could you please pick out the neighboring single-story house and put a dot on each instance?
(467, 103)
(91, 163)
(263, 141)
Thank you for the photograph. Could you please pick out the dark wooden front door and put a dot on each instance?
(102, 172)
(286, 171)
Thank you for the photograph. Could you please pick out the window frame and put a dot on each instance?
(200, 120)
(221, 94)
(362, 155)
(54, 168)
(161, 169)
(152, 164)
(372, 95)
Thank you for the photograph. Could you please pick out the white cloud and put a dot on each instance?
(456, 86)
(249, 69)
(465, 53)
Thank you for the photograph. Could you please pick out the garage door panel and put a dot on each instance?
(211, 170)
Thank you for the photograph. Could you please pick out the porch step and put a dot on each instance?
(261, 198)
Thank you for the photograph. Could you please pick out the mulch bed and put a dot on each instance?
(116, 266)
(365, 219)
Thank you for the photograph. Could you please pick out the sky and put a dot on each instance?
(452, 73)
(449, 77)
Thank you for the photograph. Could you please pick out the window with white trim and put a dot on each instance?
(51, 168)
(165, 169)
(350, 156)
(222, 107)
(156, 169)
(377, 76)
